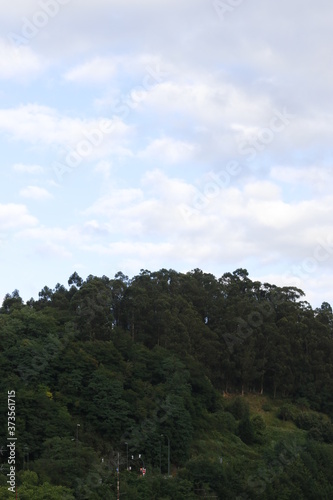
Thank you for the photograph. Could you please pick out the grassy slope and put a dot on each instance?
(217, 440)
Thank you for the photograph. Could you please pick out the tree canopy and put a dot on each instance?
(109, 365)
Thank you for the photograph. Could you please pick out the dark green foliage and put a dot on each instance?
(113, 368)
(246, 431)
(11, 302)
(239, 408)
(62, 459)
(208, 477)
(225, 421)
(306, 475)
(288, 412)
(104, 404)
(321, 431)
(266, 407)
(259, 428)
(307, 420)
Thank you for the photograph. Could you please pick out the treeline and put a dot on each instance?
(107, 366)
(249, 336)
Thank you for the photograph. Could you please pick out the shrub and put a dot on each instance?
(307, 420)
(316, 434)
(266, 407)
(246, 431)
(239, 408)
(321, 432)
(288, 412)
(303, 403)
(225, 421)
(259, 428)
(328, 432)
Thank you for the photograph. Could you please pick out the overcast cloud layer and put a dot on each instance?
(174, 134)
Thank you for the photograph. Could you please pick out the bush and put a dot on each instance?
(28, 477)
(316, 434)
(266, 407)
(303, 403)
(322, 432)
(239, 408)
(225, 421)
(246, 431)
(259, 428)
(328, 432)
(307, 421)
(288, 412)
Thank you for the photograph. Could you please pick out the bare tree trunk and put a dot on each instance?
(262, 385)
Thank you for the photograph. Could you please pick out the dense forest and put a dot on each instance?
(168, 385)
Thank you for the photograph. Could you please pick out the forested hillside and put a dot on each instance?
(230, 379)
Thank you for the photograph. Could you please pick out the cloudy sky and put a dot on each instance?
(166, 134)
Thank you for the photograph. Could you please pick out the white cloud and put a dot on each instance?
(145, 226)
(35, 193)
(116, 198)
(253, 221)
(38, 124)
(263, 190)
(19, 62)
(210, 100)
(14, 216)
(216, 84)
(98, 70)
(168, 150)
(314, 176)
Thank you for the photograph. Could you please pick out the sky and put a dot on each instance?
(175, 134)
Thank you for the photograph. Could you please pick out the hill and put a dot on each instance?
(225, 383)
